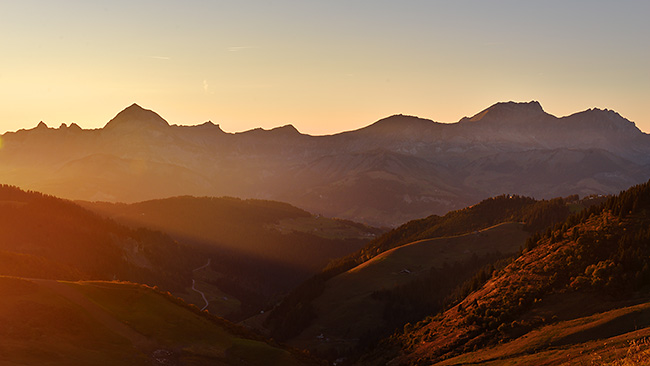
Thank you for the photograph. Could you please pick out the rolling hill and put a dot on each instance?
(116, 323)
(579, 290)
(417, 166)
(350, 309)
(255, 250)
(407, 273)
(47, 237)
(258, 249)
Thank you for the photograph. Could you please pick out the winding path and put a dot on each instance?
(203, 266)
(202, 295)
(201, 292)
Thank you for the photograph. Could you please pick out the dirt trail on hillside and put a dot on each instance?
(142, 343)
(207, 303)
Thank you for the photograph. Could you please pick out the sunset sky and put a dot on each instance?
(323, 66)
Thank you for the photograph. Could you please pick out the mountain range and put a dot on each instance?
(394, 170)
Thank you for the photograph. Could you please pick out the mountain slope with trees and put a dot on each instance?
(47, 237)
(595, 261)
(457, 236)
(258, 249)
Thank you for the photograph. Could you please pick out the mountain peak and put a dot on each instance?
(508, 111)
(400, 122)
(282, 131)
(604, 119)
(286, 130)
(402, 118)
(136, 117)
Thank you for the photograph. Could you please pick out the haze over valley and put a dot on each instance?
(298, 183)
(196, 213)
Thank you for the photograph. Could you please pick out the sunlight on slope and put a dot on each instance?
(347, 298)
(41, 327)
(118, 323)
(198, 338)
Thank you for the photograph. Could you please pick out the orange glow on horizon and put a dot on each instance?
(323, 67)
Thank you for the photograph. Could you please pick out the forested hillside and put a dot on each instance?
(596, 261)
(259, 250)
(425, 292)
(47, 237)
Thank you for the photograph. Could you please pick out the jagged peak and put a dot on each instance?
(205, 126)
(73, 127)
(41, 125)
(211, 125)
(286, 130)
(135, 116)
(609, 113)
(604, 118)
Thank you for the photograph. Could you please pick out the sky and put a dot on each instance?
(323, 66)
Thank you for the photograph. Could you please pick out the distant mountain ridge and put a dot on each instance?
(396, 169)
(135, 116)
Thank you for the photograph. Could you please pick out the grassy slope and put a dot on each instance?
(199, 339)
(595, 339)
(454, 332)
(577, 284)
(41, 327)
(346, 310)
(295, 312)
(80, 324)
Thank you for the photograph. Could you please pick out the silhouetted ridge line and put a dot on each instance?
(507, 111)
(135, 116)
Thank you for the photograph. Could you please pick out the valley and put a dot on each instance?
(435, 290)
(324, 183)
(257, 250)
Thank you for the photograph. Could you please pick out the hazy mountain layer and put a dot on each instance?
(258, 249)
(394, 170)
(242, 254)
(47, 237)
